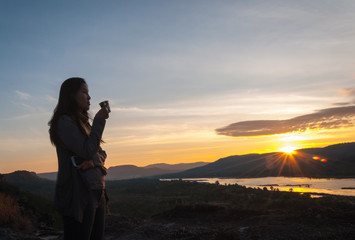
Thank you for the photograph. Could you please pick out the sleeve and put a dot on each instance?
(102, 154)
(72, 139)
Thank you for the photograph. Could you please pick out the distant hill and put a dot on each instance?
(332, 161)
(177, 167)
(48, 175)
(338, 161)
(131, 171)
(30, 182)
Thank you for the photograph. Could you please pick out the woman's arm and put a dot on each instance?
(72, 138)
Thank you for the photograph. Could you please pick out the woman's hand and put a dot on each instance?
(102, 113)
(86, 165)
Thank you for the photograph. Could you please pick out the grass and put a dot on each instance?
(22, 210)
(10, 214)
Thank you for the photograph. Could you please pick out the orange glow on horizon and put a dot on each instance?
(188, 146)
(288, 149)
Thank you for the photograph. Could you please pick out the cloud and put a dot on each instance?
(347, 92)
(51, 99)
(330, 118)
(22, 95)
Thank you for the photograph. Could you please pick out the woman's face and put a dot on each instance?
(83, 98)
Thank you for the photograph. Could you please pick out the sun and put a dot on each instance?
(288, 149)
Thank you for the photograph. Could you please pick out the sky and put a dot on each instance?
(187, 80)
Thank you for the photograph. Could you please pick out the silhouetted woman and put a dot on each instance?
(80, 195)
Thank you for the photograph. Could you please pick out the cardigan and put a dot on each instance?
(72, 189)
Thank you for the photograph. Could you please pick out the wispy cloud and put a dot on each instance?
(51, 99)
(330, 118)
(347, 92)
(22, 95)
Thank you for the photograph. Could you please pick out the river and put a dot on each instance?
(316, 186)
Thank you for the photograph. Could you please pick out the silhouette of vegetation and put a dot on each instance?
(148, 197)
(10, 214)
(25, 211)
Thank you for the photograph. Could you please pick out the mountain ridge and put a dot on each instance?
(336, 160)
(128, 171)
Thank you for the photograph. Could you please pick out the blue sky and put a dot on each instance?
(174, 71)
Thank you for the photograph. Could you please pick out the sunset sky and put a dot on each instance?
(187, 80)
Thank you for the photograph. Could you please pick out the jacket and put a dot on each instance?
(72, 191)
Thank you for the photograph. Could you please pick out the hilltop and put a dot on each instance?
(31, 182)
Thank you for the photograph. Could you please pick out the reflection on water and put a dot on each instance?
(305, 185)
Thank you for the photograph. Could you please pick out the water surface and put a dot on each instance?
(334, 186)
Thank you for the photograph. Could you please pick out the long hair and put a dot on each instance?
(68, 105)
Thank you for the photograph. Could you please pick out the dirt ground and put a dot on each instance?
(217, 224)
(214, 223)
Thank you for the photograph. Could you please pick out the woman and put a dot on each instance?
(80, 195)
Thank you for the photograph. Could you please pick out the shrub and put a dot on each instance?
(10, 214)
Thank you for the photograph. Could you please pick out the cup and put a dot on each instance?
(106, 105)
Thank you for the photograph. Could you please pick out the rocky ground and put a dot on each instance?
(211, 222)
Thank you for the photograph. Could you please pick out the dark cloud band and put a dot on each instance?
(330, 118)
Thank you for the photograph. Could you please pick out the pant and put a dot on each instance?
(93, 225)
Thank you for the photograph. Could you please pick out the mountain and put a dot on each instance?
(332, 161)
(49, 175)
(30, 182)
(131, 171)
(177, 167)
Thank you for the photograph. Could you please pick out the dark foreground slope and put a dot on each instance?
(150, 209)
(24, 215)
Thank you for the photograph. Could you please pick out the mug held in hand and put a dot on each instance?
(106, 105)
